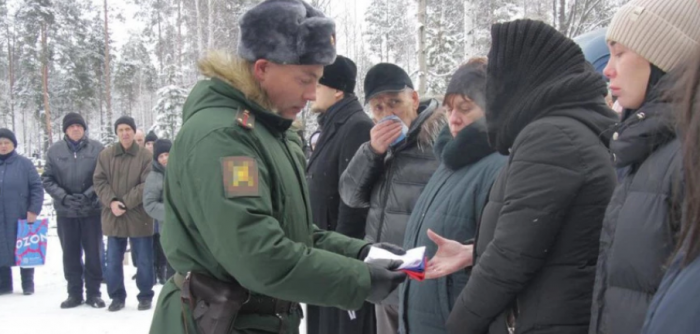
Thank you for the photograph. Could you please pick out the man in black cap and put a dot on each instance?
(344, 128)
(67, 177)
(388, 173)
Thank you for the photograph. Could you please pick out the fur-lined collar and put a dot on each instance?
(426, 128)
(236, 72)
(470, 146)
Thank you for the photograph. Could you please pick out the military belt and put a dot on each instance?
(257, 304)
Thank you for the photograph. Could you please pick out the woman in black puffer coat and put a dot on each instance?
(536, 246)
(643, 219)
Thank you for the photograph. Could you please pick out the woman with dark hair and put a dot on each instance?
(451, 203)
(643, 219)
(21, 197)
(675, 307)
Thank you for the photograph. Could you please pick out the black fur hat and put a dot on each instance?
(288, 32)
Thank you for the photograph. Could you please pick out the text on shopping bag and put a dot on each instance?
(30, 250)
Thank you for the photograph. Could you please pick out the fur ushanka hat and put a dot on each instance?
(288, 32)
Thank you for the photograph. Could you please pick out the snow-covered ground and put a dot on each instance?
(18, 312)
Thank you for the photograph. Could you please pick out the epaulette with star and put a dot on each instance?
(245, 119)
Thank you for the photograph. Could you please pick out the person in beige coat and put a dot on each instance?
(119, 180)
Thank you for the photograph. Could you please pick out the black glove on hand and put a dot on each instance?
(384, 279)
(383, 245)
(72, 202)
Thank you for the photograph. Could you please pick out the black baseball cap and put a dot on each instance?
(384, 78)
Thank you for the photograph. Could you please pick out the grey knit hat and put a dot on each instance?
(289, 32)
(664, 32)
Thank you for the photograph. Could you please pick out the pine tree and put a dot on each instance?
(168, 109)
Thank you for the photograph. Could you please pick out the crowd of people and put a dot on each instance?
(115, 192)
(541, 209)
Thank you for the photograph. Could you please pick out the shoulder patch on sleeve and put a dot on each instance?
(240, 177)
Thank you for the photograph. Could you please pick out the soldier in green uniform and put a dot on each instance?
(237, 216)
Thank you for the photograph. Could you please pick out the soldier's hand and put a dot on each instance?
(384, 279)
(383, 134)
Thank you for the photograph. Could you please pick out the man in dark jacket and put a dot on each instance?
(644, 216)
(67, 177)
(388, 173)
(344, 127)
(537, 242)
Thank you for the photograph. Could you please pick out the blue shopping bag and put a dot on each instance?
(30, 250)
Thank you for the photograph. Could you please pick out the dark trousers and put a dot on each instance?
(329, 320)
(163, 269)
(78, 237)
(116, 247)
(27, 275)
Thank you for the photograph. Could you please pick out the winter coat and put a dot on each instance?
(390, 184)
(537, 243)
(344, 128)
(675, 306)
(70, 172)
(237, 209)
(641, 222)
(451, 206)
(120, 176)
(153, 194)
(20, 192)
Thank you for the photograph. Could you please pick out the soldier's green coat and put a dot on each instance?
(267, 243)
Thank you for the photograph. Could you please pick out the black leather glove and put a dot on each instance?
(72, 202)
(384, 279)
(383, 245)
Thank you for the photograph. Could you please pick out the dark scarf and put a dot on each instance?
(4, 157)
(534, 70)
(470, 145)
(334, 111)
(74, 146)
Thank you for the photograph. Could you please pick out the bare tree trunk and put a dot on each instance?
(179, 40)
(200, 33)
(108, 97)
(422, 61)
(11, 72)
(554, 13)
(160, 46)
(210, 22)
(562, 16)
(45, 84)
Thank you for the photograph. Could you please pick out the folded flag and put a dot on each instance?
(413, 261)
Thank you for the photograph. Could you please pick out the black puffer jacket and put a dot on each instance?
(70, 172)
(642, 220)
(536, 246)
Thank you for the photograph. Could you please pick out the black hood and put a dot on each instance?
(535, 71)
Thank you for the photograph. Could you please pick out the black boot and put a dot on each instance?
(5, 281)
(117, 305)
(95, 302)
(144, 305)
(27, 275)
(72, 301)
(160, 275)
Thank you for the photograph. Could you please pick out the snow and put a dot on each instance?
(18, 312)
